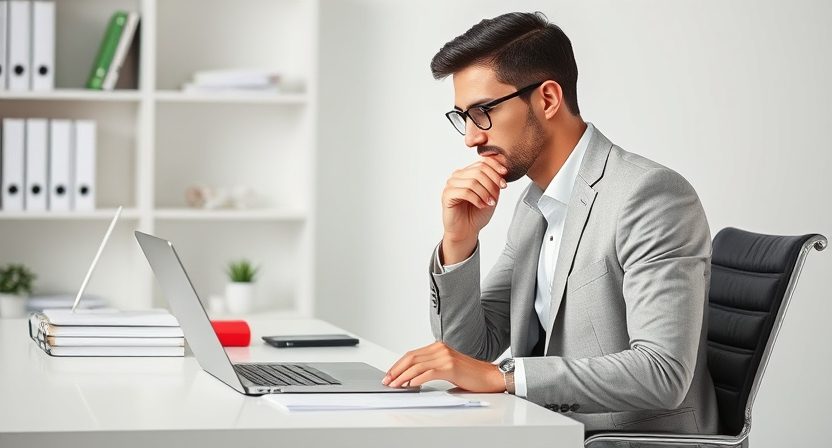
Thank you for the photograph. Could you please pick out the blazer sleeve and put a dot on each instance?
(663, 245)
(470, 318)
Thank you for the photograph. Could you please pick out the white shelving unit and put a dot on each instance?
(154, 141)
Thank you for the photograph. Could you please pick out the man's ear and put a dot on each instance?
(551, 98)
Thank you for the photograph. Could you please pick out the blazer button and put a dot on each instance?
(551, 407)
(564, 408)
(575, 408)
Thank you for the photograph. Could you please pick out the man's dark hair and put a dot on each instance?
(522, 48)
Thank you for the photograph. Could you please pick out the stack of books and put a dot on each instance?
(234, 81)
(107, 332)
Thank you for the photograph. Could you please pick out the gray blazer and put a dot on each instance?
(625, 346)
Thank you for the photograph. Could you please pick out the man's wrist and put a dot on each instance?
(509, 381)
(506, 368)
(454, 251)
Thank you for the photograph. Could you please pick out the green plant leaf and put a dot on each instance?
(16, 278)
(241, 271)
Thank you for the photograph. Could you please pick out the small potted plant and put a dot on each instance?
(239, 292)
(15, 287)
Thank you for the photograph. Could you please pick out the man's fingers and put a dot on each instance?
(492, 174)
(424, 377)
(497, 166)
(415, 370)
(407, 362)
(488, 182)
(409, 358)
(455, 195)
(484, 172)
(476, 186)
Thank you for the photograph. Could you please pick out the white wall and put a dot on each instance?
(733, 95)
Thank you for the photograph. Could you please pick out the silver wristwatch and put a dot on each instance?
(507, 367)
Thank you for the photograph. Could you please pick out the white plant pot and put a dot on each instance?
(12, 305)
(239, 297)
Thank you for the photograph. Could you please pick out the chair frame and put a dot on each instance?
(818, 242)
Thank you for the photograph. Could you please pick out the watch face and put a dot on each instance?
(507, 365)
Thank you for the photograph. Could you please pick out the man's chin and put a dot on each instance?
(512, 176)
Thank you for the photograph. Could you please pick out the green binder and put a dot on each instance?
(107, 50)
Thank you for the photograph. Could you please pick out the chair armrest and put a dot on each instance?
(660, 438)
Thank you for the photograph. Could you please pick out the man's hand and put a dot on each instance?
(440, 362)
(468, 202)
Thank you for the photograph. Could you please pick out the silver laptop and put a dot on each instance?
(247, 378)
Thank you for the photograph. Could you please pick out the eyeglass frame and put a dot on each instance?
(487, 107)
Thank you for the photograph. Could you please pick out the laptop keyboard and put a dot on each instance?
(284, 375)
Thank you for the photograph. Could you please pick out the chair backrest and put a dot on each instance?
(752, 279)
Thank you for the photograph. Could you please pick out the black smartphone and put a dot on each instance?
(312, 340)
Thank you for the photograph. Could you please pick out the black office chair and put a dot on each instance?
(753, 277)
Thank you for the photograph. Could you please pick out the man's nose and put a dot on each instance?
(474, 136)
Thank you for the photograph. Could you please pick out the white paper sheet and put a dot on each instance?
(340, 402)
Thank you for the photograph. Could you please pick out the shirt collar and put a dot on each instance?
(560, 188)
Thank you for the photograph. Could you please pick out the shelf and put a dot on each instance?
(163, 96)
(155, 140)
(239, 97)
(73, 95)
(104, 214)
(185, 214)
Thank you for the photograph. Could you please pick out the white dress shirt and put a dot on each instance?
(552, 204)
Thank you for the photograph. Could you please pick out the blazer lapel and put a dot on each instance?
(577, 214)
(524, 281)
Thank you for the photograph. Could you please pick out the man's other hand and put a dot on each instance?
(437, 361)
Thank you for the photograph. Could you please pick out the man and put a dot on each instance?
(602, 285)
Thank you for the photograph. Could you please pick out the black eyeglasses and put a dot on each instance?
(479, 113)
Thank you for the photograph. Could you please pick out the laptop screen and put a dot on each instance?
(186, 306)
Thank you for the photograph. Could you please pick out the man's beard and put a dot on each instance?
(525, 153)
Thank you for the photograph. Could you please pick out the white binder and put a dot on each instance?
(60, 165)
(19, 53)
(85, 165)
(43, 45)
(4, 39)
(37, 151)
(14, 150)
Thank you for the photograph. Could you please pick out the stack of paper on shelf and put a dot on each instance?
(107, 332)
(233, 80)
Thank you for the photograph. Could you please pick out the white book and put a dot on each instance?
(116, 351)
(111, 317)
(72, 341)
(43, 45)
(37, 156)
(4, 39)
(13, 160)
(235, 78)
(85, 155)
(113, 332)
(40, 328)
(61, 158)
(253, 90)
(19, 47)
(123, 48)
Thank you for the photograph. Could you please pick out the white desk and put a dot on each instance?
(127, 402)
